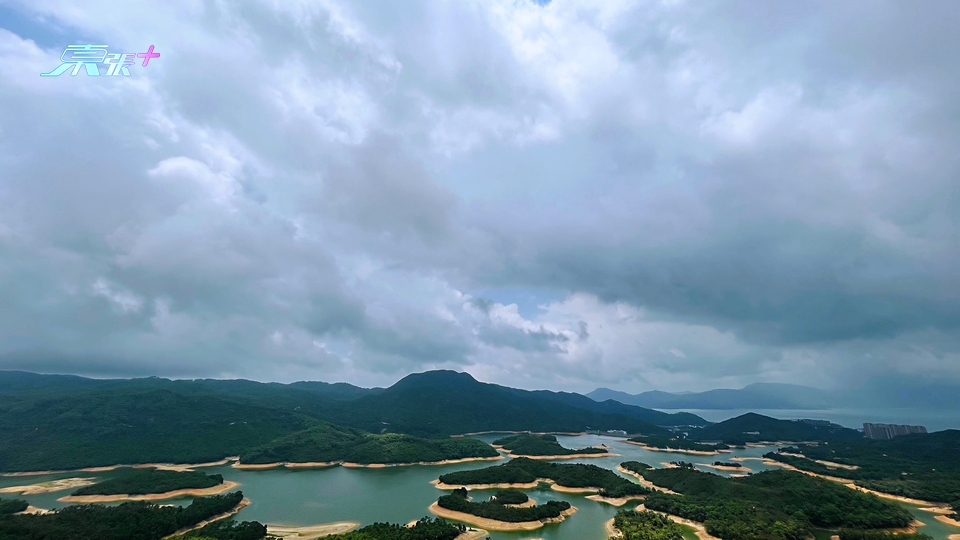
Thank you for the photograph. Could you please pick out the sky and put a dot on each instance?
(640, 195)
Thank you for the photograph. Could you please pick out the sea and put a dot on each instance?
(932, 419)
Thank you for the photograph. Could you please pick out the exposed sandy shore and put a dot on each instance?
(240, 506)
(748, 459)
(668, 465)
(723, 467)
(50, 487)
(166, 466)
(565, 433)
(472, 534)
(949, 521)
(644, 482)
(34, 510)
(311, 532)
(738, 475)
(675, 450)
(494, 525)
(831, 464)
(608, 453)
(204, 492)
(528, 504)
(954, 537)
(324, 464)
(618, 502)
(702, 533)
(428, 463)
(612, 532)
(945, 510)
(440, 485)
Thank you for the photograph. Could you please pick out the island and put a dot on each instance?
(151, 485)
(643, 525)
(325, 446)
(725, 466)
(525, 473)
(131, 520)
(661, 443)
(545, 447)
(495, 515)
(777, 504)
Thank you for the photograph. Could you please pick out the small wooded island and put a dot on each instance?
(526, 473)
(496, 509)
(544, 446)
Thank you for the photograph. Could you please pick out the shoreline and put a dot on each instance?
(311, 532)
(440, 485)
(50, 487)
(245, 502)
(702, 533)
(723, 467)
(187, 492)
(646, 483)
(927, 506)
(495, 525)
(947, 521)
(530, 485)
(618, 502)
(294, 465)
(675, 451)
(510, 453)
(180, 467)
(611, 530)
(472, 534)
(33, 510)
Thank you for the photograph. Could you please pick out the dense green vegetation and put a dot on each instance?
(920, 466)
(727, 464)
(752, 427)
(330, 443)
(128, 521)
(495, 509)
(525, 470)
(635, 466)
(142, 481)
(53, 422)
(12, 506)
(541, 445)
(675, 443)
(635, 525)
(770, 504)
(227, 530)
(853, 534)
(510, 496)
(425, 529)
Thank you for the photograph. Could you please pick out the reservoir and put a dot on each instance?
(402, 494)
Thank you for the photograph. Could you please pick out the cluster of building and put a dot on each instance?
(889, 431)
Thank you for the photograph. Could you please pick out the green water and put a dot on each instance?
(402, 494)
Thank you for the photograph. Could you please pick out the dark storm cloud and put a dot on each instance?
(706, 193)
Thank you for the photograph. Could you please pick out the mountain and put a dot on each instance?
(754, 396)
(753, 427)
(448, 402)
(62, 422)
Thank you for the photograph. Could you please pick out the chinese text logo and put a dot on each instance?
(90, 57)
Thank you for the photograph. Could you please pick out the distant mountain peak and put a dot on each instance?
(436, 377)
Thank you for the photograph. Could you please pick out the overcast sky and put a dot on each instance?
(642, 195)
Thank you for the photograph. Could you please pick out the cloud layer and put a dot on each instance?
(668, 195)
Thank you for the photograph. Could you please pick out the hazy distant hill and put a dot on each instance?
(58, 422)
(754, 396)
(753, 427)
